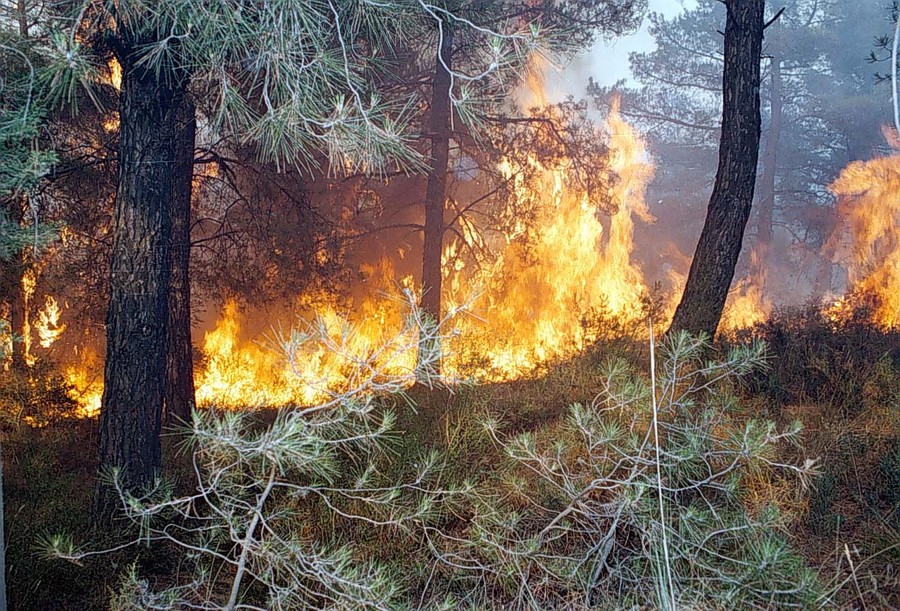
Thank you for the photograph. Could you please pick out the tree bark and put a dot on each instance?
(135, 369)
(2, 540)
(179, 398)
(18, 315)
(764, 232)
(436, 190)
(22, 18)
(13, 272)
(712, 269)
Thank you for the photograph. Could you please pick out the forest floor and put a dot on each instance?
(841, 381)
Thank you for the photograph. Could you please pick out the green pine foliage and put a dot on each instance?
(299, 80)
(575, 519)
(23, 159)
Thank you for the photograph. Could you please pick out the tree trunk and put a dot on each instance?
(18, 315)
(767, 183)
(22, 18)
(135, 370)
(14, 270)
(2, 541)
(712, 269)
(436, 190)
(179, 398)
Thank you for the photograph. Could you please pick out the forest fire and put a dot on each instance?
(532, 303)
(536, 300)
(868, 238)
(572, 281)
(544, 298)
(381, 305)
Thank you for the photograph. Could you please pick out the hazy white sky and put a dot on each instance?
(609, 63)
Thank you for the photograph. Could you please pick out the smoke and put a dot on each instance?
(607, 61)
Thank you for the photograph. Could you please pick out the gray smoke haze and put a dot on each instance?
(607, 62)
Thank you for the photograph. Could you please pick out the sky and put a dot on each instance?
(608, 62)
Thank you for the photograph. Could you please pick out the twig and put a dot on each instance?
(659, 487)
(853, 574)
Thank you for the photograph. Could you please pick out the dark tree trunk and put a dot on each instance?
(22, 18)
(767, 182)
(2, 543)
(179, 399)
(712, 269)
(135, 370)
(18, 315)
(436, 191)
(13, 292)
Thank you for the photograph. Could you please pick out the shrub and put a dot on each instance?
(36, 396)
(631, 504)
(251, 532)
(843, 365)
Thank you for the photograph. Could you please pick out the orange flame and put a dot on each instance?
(239, 373)
(746, 305)
(532, 309)
(869, 235)
(47, 324)
(535, 303)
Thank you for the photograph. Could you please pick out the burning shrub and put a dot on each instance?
(835, 359)
(639, 502)
(35, 395)
(267, 523)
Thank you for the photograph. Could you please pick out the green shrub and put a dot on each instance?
(579, 518)
(35, 396)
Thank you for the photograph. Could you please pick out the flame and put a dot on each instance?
(746, 305)
(538, 295)
(239, 373)
(113, 74)
(868, 238)
(537, 300)
(550, 287)
(86, 388)
(47, 324)
(111, 123)
(29, 282)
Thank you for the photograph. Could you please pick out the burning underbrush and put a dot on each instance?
(507, 491)
(533, 294)
(537, 295)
